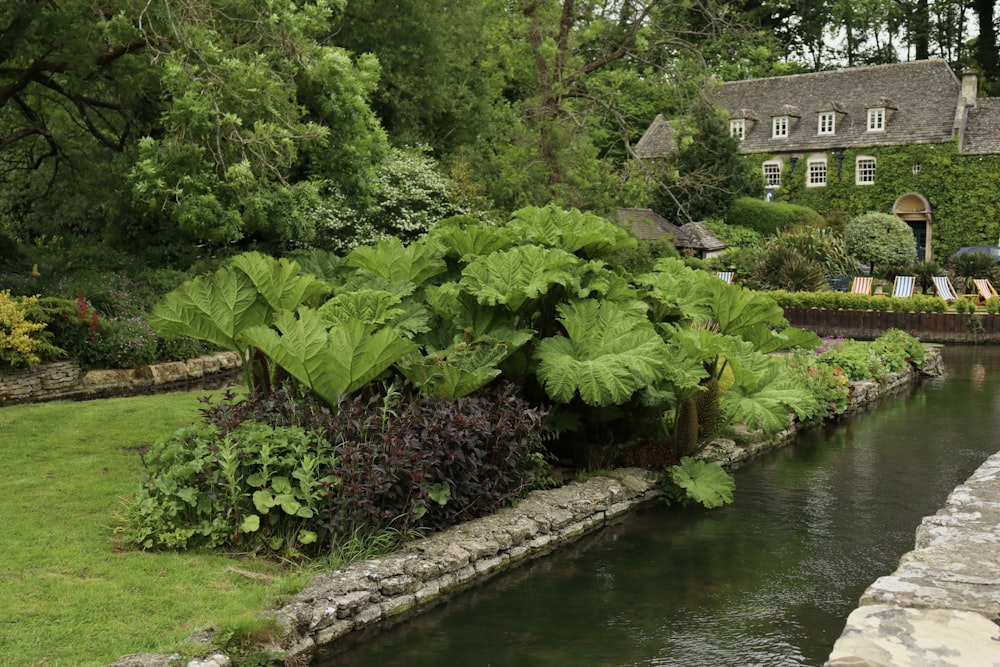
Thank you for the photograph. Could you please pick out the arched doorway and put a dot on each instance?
(916, 211)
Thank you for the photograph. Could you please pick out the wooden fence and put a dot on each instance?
(870, 324)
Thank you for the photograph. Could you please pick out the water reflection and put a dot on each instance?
(766, 581)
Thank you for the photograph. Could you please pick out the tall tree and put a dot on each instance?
(218, 121)
(987, 54)
(705, 172)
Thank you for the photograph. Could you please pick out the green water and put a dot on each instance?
(767, 581)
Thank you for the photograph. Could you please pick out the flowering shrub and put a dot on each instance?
(827, 382)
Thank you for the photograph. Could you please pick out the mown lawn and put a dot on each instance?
(69, 594)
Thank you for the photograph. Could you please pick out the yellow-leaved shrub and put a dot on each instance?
(17, 344)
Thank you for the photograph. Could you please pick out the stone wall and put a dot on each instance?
(941, 606)
(65, 380)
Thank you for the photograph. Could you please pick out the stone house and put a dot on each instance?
(908, 138)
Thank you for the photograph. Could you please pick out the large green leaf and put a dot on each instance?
(330, 361)
(768, 402)
(214, 308)
(375, 307)
(606, 355)
(572, 230)
(360, 354)
(457, 371)
(677, 292)
(390, 259)
(465, 242)
(703, 482)
(514, 277)
(279, 282)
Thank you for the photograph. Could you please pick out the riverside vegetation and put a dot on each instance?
(403, 388)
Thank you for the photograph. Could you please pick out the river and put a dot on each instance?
(766, 581)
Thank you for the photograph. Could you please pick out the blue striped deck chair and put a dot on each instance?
(726, 276)
(944, 288)
(902, 286)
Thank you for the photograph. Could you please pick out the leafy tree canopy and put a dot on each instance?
(880, 238)
(216, 122)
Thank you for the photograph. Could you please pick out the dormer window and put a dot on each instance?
(876, 119)
(779, 127)
(738, 128)
(827, 122)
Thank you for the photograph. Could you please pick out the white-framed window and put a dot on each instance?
(779, 127)
(772, 173)
(876, 119)
(827, 122)
(816, 172)
(738, 128)
(916, 168)
(864, 170)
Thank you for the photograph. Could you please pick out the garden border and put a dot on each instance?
(346, 603)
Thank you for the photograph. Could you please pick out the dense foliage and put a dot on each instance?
(880, 239)
(769, 218)
(287, 473)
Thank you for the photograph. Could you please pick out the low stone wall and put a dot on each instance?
(362, 594)
(65, 380)
(941, 606)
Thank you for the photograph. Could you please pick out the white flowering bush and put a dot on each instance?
(408, 195)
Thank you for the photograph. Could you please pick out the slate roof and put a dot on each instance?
(982, 127)
(694, 235)
(646, 223)
(658, 139)
(919, 96)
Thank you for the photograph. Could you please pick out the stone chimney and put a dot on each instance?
(970, 82)
(966, 100)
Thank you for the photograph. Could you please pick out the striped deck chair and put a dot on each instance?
(902, 286)
(726, 276)
(944, 288)
(984, 290)
(862, 285)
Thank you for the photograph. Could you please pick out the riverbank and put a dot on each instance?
(364, 597)
(941, 606)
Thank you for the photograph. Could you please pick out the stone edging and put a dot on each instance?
(942, 604)
(364, 594)
(66, 381)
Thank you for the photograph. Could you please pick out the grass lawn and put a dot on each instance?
(70, 595)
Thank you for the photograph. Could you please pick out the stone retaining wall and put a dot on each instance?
(941, 606)
(65, 380)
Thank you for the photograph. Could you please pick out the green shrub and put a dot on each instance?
(918, 303)
(892, 352)
(768, 218)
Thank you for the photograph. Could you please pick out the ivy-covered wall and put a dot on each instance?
(963, 190)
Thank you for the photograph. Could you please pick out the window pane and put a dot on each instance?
(817, 172)
(772, 174)
(865, 170)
